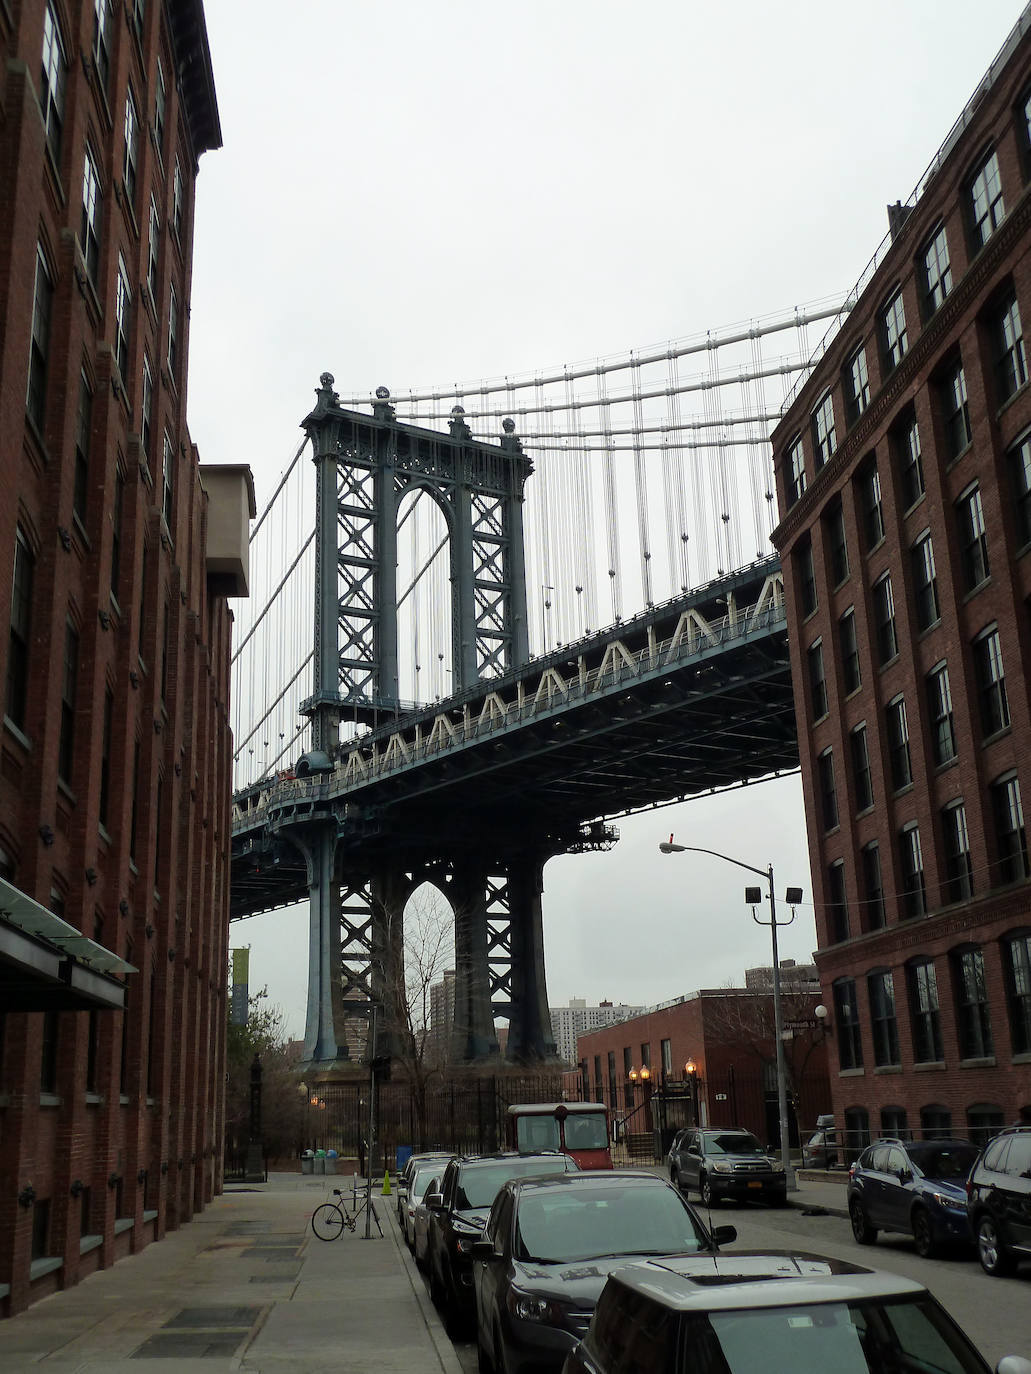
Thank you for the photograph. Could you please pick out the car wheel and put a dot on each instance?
(864, 1233)
(923, 1235)
(709, 1196)
(991, 1249)
(674, 1176)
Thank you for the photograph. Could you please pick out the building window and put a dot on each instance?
(857, 1130)
(894, 1123)
(52, 83)
(132, 141)
(48, 1056)
(101, 34)
(984, 1120)
(116, 533)
(21, 632)
(39, 345)
(837, 904)
(914, 893)
(69, 682)
(167, 480)
(1008, 348)
(90, 225)
(884, 620)
(1010, 839)
(862, 779)
(83, 431)
(824, 439)
(1016, 950)
(925, 583)
(936, 1122)
(135, 804)
(104, 802)
(834, 523)
(893, 331)
(924, 1012)
(898, 743)
(160, 102)
(991, 682)
(987, 209)
(177, 201)
(955, 410)
(873, 887)
(973, 1021)
(1019, 458)
(123, 310)
(153, 243)
(40, 1228)
(870, 504)
(937, 271)
(817, 680)
(848, 644)
(883, 1023)
(806, 577)
(828, 792)
(939, 702)
(666, 1047)
(910, 463)
(959, 868)
(146, 406)
(857, 385)
(846, 1019)
(796, 471)
(173, 332)
(973, 538)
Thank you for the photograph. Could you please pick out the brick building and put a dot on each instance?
(117, 553)
(903, 467)
(726, 1034)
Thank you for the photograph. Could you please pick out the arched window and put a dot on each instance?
(857, 1132)
(984, 1119)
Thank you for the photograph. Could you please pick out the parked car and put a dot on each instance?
(725, 1162)
(411, 1164)
(918, 1188)
(999, 1201)
(547, 1248)
(424, 1179)
(457, 1213)
(742, 1311)
(421, 1223)
(820, 1151)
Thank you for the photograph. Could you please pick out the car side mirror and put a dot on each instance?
(434, 1202)
(723, 1235)
(483, 1250)
(905, 1176)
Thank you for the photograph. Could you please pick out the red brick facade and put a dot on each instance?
(904, 578)
(116, 752)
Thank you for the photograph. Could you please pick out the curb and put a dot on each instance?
(445, 1351)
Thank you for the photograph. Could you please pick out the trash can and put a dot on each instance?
(319, 1162)
(403, 1155)
(307, 1162)
(331, 1164)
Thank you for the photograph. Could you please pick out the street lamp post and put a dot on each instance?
(753, 897)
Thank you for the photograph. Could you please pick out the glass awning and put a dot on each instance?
(31, 918)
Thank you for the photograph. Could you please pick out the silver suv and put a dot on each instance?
(723, 1163)
(746, 1310)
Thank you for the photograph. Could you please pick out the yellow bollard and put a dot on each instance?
(386, 1182)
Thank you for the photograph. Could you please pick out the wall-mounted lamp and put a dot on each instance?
(27, 1196)
(78, 1188)
(646, 1073)
(113, 1180)
(91, 876)
(632, 1075)
(141, 1176)
(164, 1166)
(823, 1020)
(46, 834)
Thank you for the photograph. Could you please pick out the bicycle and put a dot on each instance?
(331, 1218)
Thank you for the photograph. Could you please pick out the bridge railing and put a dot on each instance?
(367, 762)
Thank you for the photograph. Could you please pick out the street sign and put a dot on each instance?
(809, 1023)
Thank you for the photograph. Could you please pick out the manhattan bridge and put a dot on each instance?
(484, 621)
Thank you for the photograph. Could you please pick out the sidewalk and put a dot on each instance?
(244, 1286)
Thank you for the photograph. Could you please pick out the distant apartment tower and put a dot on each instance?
(442, 1017)
(577, 1018)
(903, 471)
(117, 554)
(793, 977)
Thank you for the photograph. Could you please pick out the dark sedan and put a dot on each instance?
(549, 1245)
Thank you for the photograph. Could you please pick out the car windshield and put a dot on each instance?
(478, 1184)
(538, 1132)
(420, 1183)
(736, 1143)
(562, 1225)
(953, 1161)
(850, 1338)
(586, 1131)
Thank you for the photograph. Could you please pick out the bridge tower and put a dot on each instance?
(365, 468)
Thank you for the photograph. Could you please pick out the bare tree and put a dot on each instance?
(746, 1021)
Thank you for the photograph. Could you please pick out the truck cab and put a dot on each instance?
(579, 1129)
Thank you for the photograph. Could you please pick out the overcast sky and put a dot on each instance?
(418, 194)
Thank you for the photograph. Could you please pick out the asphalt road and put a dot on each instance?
(995, 1313)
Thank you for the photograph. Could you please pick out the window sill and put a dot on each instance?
(49, 1100)
(851, 1073)
(888, 662)
(904, 790)
(150, 1215)
(918, 502)
(66, 791)
(930, 1066)
(88, 1243)
(996, 735)
(94, 1100)
(946, 765)
(1014, 396)
(1021, 1058)
(18, 734)
(123, 1224)
(123, 1099)
(988, 1062)
(888, 1068)
(47, 1265)
(976, 589)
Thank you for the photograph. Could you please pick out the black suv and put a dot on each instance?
(457, 1214)
(725, 1163)
(999, 1201)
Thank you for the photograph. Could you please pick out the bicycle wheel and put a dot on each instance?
(327, 1221)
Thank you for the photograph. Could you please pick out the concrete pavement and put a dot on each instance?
(244, 1286)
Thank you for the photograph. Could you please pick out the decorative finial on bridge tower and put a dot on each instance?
(381, 407)
(326, 395)
(457, 425)
(510, 439)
